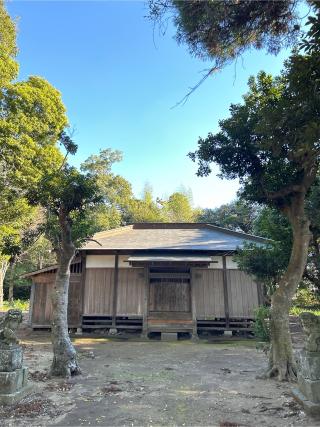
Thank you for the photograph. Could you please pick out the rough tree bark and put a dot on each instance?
(64, 362)
(4, 264)
(281, 360)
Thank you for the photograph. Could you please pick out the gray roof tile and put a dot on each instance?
(202, 237)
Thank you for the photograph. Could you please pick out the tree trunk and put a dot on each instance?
(281, 359)
(11, 280)
(4, 264)
(64, 362)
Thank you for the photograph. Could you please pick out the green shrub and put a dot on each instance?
(262, 323)
(305, 298)
(19, 304)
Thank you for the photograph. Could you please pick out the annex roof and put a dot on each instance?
(170, 236)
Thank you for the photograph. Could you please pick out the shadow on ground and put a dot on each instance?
(130, 382)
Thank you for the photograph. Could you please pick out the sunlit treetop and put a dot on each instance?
(9, 68)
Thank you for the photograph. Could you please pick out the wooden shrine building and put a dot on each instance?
(157, 277)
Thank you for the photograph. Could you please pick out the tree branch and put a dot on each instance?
(194, 88)
(92, 240)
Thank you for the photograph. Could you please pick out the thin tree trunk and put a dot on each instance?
(64, 362)
(4, 264)
(11, 280)
(281, 359)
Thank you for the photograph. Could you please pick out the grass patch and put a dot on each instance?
(17, 304)
(295, 311)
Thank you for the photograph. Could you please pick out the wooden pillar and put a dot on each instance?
(83, 285)
(225, 289)
(146, 303)
(115, 291)
(193, 306)
(31, 303)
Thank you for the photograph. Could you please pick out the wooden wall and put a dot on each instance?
(131, 291)
(99, 291)
(209, 293)
(42, 308)
(242, 293)
(207, 285)
(208, 290)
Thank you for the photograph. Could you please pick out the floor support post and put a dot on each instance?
(115, 292)
(225, 290)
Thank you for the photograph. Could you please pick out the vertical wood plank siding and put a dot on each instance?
(131, 292)
(98, 293)
(42, 307)
(243, 294)
(132, 298)
(166, 296)
(209, 293)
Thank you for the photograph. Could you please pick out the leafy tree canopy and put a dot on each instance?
(238, 215)
(145, 209)
(115, 190)
(222, 30)
(8, 49)
(31, 121)
(271, 140)
(178, 208)
(268, 262)
(69, 194)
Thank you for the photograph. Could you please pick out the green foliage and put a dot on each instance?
(238, 215)
(115, 191)
(272, 224)
(306, 298)
(224, 30)
(267, 139)
(31, 122)
(39, 255)
(67, 194)
(178, 209)
(8, 49)
(16, 217)
(312, 273)
(145, 209)
(32, 119)
(17, 304)
(119, 204)
(101, 164)
(262, 323)
(267, 262)
(270, 142)
(34, 256)
(311, 41)
(295, 311)
(21, 291)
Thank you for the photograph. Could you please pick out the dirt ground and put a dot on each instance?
(130, 382)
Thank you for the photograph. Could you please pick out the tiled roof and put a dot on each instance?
(165, 236)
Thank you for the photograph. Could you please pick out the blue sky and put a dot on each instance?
(119, 82)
